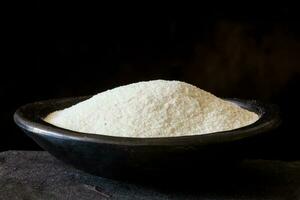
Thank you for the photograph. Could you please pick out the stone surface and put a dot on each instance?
(38, 175)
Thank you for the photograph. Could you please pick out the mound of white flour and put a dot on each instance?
(153, 109)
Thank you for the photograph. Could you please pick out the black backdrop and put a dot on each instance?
(71, 50)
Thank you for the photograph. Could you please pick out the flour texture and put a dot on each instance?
(157, 108)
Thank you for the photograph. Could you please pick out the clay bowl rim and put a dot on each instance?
(30, 118)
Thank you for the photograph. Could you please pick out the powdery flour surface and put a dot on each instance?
(156, 108)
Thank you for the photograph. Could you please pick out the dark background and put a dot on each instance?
(69, 50)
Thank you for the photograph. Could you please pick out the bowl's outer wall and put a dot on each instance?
(116, 161)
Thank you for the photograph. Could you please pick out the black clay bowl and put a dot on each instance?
(120, 157)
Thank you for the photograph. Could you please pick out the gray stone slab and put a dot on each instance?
(38, 175)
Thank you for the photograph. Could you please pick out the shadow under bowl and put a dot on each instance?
(131, 158)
